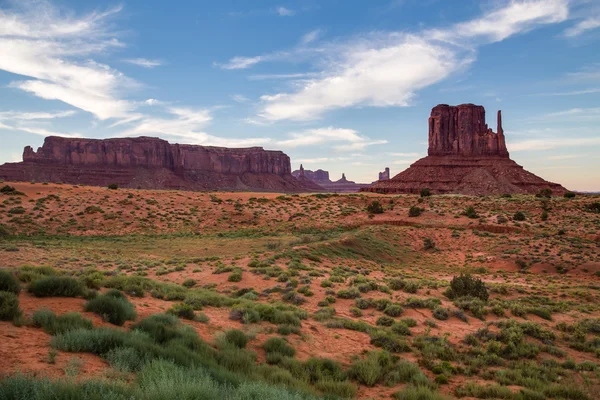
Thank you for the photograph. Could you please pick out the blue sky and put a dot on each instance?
(342, 85)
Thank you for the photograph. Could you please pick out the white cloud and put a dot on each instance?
(153, 102)
(20, 115)
(311, 36)
(570, 93)
(38, 131)
(552, 143)
(585, 25)
(566, 156)
(285, 12)
(187, 124)
(311, 137)
(573, 114)
(260, 77)
(241, 62)
(240, 98)
(383, 70)
(405, 154)
(46, 45)
(143, 62)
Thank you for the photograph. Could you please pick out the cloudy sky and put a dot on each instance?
(342, 85)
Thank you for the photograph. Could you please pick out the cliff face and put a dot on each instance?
(465, 156)
(157, 153)
(462, 131)
(154, 163)
(319, 176)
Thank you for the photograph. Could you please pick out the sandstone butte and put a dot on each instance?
(321, 178)
(465, 157)
(153, 163)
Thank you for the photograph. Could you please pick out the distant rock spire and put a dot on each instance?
(301, 174)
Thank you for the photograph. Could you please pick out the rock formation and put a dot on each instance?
(385, 175)
(321, 178)
(465, 156)
(153, 163)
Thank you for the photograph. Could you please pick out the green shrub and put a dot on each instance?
(115, 310)
(113, 186)
(278, 345)
(466, 285)
(9, 283)
(388, 342)
(471, 213)
(235, 276)
(546, 193)
(9, 306)
(236, 338)
(428, 244)
(57, 286)
(425, 192)
(182, 310)
(415, 211)
(440, 313)
(367, 371)
(352, 293)
(519, 216)
(125, 359)
(400, 328)
(418, 393)
(569, 195)
(54, 325)
(393, 310)
(384, 321)
(189, 283)
(375, 208)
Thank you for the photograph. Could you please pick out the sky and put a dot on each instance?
(342, 85)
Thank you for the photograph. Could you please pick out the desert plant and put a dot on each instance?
(440, 313)
(112, 308)
(278, 345)
(236, 338)
(375, 207)
(428, 244)
(569, 195)
(466, 285)
(415, 211)
(519, 216)
(470, 212)
(9, 306)
(182, 310)
(113, 186)
(9, 283)
(57, 286)
(425, 192)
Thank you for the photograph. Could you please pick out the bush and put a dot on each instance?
(367, 371)
(9, 306)
(4, 231)
(278, 345)
(236, 338)
(519, 216)
(235, 276)
(440, 313)
(113, 186)
(375, 208)
(415, 211)
(189, 283)
(428, 244)
(52, 286)
(569, 195)
(393, 310)
(9, 283)
(54, 325)
(384, 321)
(425, 192)
(593, 207)
(115, 310)
(388, 342)
(546, 193)
(466, 285)
(182, 310)
(471, 213)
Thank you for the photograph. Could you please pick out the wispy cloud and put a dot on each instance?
(349, 139)
(240, 98)
(285, 12)
(405, 154)
(387, 69)
(26, 116)
(552, 143)
(311, 36)
(241, 62)
(583, 26)
(143, 62)
(46, 45)
(188, 124)
(303, 75)
(570, 93)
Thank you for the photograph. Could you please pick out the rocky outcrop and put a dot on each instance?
(153, 163)
(319, 176)
(385, 175)
(466, 157)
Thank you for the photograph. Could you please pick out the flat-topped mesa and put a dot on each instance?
(462, 131)
(157, 153)
(153, 163)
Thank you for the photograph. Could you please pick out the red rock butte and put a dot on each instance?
(465, 157)
(153, 163)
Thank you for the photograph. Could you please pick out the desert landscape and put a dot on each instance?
(298, 296)
(299, 200)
